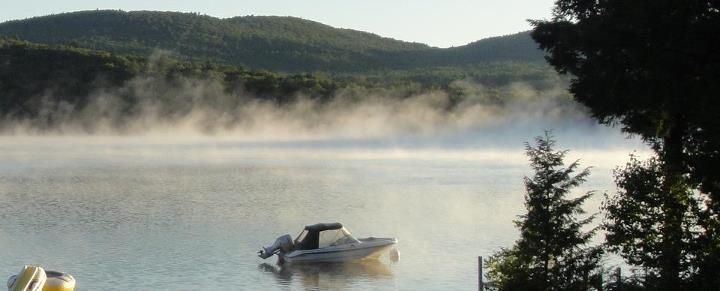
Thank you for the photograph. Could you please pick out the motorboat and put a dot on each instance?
(328, 243)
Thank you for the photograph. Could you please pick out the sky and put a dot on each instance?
(441, 23)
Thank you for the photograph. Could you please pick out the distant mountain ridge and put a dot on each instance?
(263, 42)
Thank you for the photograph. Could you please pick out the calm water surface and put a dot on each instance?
(136, 214)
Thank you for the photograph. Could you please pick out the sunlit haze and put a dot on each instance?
(303, 145)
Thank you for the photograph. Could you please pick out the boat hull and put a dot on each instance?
(367, 249)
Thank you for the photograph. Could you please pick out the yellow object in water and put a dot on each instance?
(57, 281)
(33, 278)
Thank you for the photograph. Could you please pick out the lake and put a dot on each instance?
(139, 213)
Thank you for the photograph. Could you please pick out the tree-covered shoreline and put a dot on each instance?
(40, 82)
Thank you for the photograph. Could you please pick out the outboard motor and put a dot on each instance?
(283, 244)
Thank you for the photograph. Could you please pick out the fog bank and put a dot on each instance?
(152, 105)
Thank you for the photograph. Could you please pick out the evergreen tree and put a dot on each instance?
(552, 252)
(652, 67)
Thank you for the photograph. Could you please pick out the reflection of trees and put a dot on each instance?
(328, 275)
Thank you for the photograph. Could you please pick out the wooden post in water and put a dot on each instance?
(480, 274)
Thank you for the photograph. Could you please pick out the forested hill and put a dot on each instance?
(266, 42)
(44, 86)
(57, 87)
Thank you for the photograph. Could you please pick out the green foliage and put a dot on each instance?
(500, 73)
(44, 85)
(552, 252)
(652, 66)
(40, 83)
(264, 42)
(640, 225)
(28, 72)
(507, 271)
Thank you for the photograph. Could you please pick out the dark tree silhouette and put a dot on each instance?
(552, 252)
(652, 66)
(636, 222)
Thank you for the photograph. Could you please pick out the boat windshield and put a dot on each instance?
(335, 237)
(301, 236)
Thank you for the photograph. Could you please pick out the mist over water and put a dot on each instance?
(154, 104)
(148, 212)
(182, 197)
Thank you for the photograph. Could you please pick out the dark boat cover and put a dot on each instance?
(310, 241)
(323, 226)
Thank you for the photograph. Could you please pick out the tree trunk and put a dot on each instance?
(673, 206)
(546, 273)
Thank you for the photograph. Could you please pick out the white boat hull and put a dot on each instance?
(369, 248)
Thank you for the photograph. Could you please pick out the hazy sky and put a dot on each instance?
(440, 23)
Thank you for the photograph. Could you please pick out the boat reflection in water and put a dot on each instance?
(330, 275)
